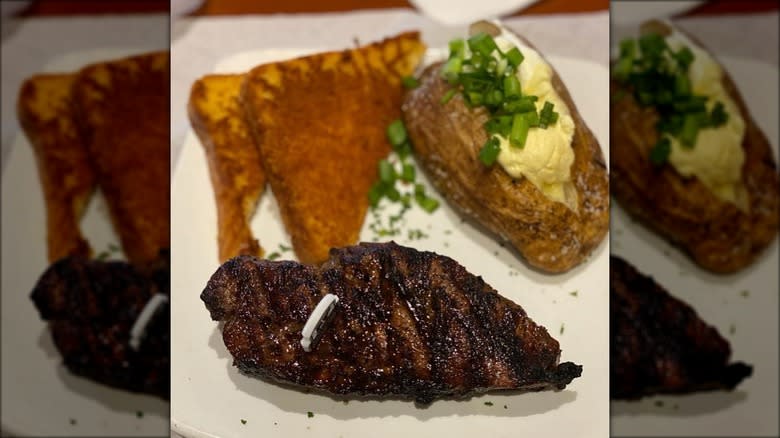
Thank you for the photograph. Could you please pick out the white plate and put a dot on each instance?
(210, 398)
(460, 12)
(752, 408)
(39, 396)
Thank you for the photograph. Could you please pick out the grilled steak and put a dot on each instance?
(408, 324)
(659, 344)
(91, 307)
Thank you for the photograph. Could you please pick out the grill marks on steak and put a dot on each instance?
(659, 344)
(408, 323)
(91, 307)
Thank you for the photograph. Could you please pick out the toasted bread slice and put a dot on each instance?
(67, 178)
(123, 109)
(237, 175)
(320, 122)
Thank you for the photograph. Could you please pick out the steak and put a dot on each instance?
(91, 307)
(408, 324)
(659, 343)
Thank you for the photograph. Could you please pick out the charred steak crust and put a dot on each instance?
(659, 344)
(91, 307)
(408, 324)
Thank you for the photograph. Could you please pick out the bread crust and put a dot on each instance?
(67, 179)
(237, 174)
(447, 140)
(320, 122)
(715, 233)
(123, 109)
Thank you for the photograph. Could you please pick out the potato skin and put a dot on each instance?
(715, 233)
(447, 139)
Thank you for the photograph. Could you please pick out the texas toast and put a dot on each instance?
(320, 122)
(237, 175)
(67, 178)
(123, 109)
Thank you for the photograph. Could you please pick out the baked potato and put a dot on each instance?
(718, 235)
(447, 140)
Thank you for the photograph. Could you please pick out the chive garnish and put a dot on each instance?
(448, 96)
(489, 152)
(519, 131)
(386, 172)
(310, 414)
(390, 172)
(657, 76)
(487, 77)
(408, 172)
(410, 82)
(396, 132)
(660, 152)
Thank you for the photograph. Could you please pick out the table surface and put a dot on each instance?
(232, 7)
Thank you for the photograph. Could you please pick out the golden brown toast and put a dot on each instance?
(320, 122)
(123, 109)
(237, 175)
(67, 179)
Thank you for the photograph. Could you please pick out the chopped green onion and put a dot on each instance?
(658, 77)
(489, 152)
(652, 46)
(533, 118)
(514, 56)
(494, 98)
(406, 200)
(386, 172)
(375, 193)
(718, 115)
(483, 44)
(428, 204)
(690, 130)
(408, 173)
(393, 194)
(511, 86)
(684, 58)
(410, 82)
(452, 68)
(474, 98)
(519, 131)
(403, 150)
(487, 76)
(500, 125)
(682, 85)
(396, 132)
(448, 96)
(457, 48)
(522, 105)
(660, 152)
(547, 116)
(419, 190)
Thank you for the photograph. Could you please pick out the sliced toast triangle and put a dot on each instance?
(237, 175)
(319, 122)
